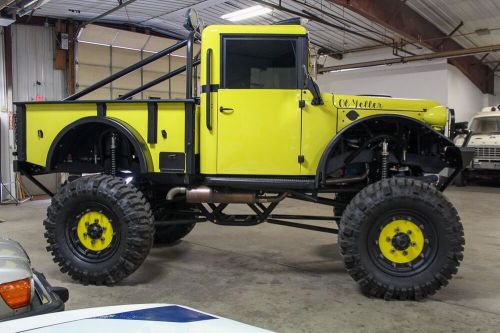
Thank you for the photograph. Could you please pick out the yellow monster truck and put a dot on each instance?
(260, 132)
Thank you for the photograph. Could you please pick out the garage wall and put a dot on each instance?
(463, 95)
(434, 80)
(34, 75)
(33, 64)
(3, 87)
(4, 134)
(407, 81)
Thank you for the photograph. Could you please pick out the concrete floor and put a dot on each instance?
(290, 280)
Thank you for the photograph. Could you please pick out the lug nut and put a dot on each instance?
(87, 224)
(388, 239)
(393, 251)
(409, 232)
(102, 239)
(405, 253)
(84, 235)
(396, 230)
(414, 244)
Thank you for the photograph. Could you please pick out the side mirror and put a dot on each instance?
(461, 128)
(192, 20)
(314, 89)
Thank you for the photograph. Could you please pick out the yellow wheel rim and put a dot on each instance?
(95, 231)
(401, 241)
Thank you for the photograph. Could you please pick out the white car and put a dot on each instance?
(485, 140)
(24, 291)
(155, 318)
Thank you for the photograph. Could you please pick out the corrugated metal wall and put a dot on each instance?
(34, 75)
(3, 87)
(4, 136)
(33, 64)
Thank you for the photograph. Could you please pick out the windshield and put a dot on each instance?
(486, 125)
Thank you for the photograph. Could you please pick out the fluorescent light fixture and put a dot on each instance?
(246, 13)
(125, 48)
(29, 4)
(93, 43)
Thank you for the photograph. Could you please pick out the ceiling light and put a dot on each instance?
(483, 31)
(246, 13)
(29, 4)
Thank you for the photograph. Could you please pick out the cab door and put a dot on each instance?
(259, 117)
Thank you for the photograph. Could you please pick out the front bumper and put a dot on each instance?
(45, 299)
(482, 164)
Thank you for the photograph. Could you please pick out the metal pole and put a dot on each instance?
(189, 66)
(169, 81)
(142, 73)
(111, 71)
(436, 55)
(114, 9)
(142, 58)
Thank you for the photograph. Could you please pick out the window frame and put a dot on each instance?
(300, 60)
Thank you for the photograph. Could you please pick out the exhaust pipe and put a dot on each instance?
(174, 191)
(204, 194)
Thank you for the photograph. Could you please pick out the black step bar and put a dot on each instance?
(276, 183)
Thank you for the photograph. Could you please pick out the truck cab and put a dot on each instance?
(484, 139)
(262, 113)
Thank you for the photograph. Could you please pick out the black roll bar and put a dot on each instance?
(189, 68)
(150, 84)
(189, 65)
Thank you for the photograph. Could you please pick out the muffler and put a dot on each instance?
(204, 194)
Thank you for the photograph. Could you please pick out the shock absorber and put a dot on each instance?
(385, 159)
(113, 153)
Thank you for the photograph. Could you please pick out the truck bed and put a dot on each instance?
(161, 128)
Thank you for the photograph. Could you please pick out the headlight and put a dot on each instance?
(459, 140)
(437, 116)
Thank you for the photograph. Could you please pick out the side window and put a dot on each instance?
(260, 63)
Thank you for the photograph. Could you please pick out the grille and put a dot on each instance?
(487, 152)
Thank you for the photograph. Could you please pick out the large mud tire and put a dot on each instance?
(401, 239)
(99, 230)
(169, 235)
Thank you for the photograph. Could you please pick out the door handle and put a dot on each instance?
(224, 110)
